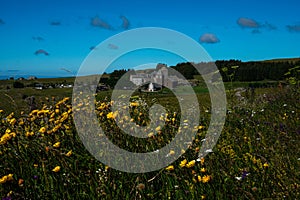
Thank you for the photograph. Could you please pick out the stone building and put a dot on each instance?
(158, 78)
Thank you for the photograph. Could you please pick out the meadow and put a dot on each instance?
(256, 157)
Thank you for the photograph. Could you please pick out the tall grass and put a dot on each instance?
(256, 157)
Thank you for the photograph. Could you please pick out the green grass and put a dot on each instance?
(12, 100)
(256, 156)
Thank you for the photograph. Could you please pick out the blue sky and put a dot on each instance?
(44, 37)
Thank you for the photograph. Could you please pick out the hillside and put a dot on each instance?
(290, 60)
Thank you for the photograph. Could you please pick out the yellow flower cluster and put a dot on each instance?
(42, 130)
(28, 134)
(69, 153)
(191, 164)
(112, 115)
(204, 179)
(170, 168)
(56, 145)
(183, 163)
(7, 136)
(65, 116)
(134, 104)
(56, 169)
(12, 121)
(6, 178)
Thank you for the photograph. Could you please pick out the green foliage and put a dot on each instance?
(256, 157)
(242, 71)
(18, 84)
(293, 76)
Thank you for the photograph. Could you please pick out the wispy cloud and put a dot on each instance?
(41, 51)
(93, 48)
(247, 23)
(125, 22)
(293, 28)
(98, 22)
(254, 25)
(13, 70)
(112, 46)
(38, 38)
(66, 70)
(255, 31)
(269, 26)
(1, 22)
(55, 23)
(209, 38)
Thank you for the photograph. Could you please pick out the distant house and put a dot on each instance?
(157, 78)
(139, 79)
(172, 82)
(39, 86)
(21, 79)
(32, 78)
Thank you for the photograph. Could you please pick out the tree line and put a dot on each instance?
(236, 70)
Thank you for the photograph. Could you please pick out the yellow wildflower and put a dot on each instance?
(7, 136)
(34, 112)
(69, 153)
(150, 134)
(110, 115)
(56, 169)
(56, 145)
(266, 165)
(134, 104)
(191, 164)
(13, 121)
(183, 163)
(203, 170)
(35, 165)
(67, 127)
(64, 117)
(21, 122)
(52, 115)
(158, 128)
(1, 111)
(3, 180)
(172, 152)
(9, 177)
(170, 168)
(202, 161)
(41, 112)
(42, 130)
(6, 178)
(27, 134)
(199, 178)
(206, 178)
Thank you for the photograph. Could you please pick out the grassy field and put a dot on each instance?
(256, 157)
